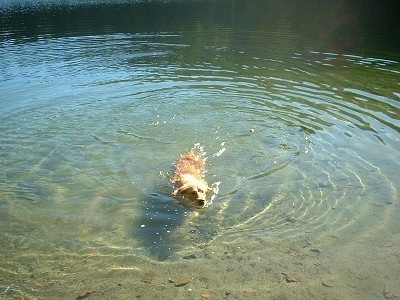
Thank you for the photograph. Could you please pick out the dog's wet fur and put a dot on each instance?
(188, 179)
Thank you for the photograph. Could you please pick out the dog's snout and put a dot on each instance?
(200, 202)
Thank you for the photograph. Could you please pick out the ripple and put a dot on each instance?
(303, 140)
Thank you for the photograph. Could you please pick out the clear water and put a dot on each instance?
(298, 113)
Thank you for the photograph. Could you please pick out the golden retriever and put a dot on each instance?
(189, 179)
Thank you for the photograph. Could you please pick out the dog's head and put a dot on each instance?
(194, 189)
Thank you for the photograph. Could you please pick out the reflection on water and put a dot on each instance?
(297, 108)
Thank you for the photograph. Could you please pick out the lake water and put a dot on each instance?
(296, 104)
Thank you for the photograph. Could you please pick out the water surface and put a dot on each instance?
(295, 103)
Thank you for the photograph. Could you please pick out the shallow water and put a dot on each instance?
(297, 108)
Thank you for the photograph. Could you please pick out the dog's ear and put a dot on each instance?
(184, 189)
(181, 190)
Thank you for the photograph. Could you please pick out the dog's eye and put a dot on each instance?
(193, 193)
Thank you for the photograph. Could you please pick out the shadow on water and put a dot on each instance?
(159, 217)
(163, 226)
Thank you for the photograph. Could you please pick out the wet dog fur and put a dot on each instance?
(189, 179)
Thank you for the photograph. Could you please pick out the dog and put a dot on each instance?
(188, 179)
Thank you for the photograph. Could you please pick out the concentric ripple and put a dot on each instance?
(301, 144)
